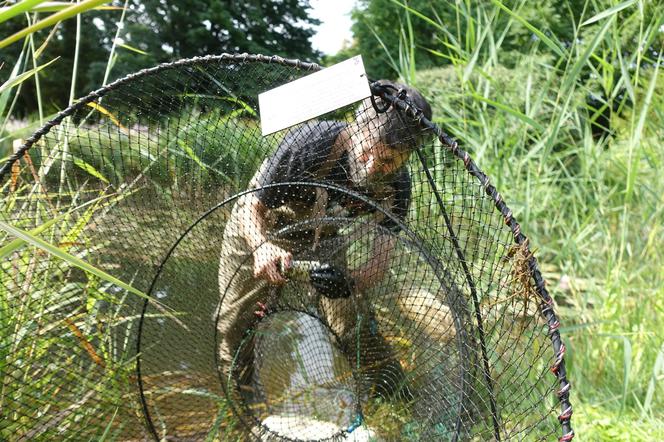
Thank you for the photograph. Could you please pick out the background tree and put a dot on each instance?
(380, 27)
(161, 31)
(454, 31)
(383, 27)
(194, 27)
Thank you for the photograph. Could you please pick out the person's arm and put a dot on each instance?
(374, 269)
(269, 258)
(250, 222)
(300, 156)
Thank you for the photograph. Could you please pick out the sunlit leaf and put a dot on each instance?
(525, 118)
(546, 40)
(90, 169)
(98, 107)
(22, 77)
(72, 11)
(190, 153)
(18, 8)
(131, 48)
(609, 12)
(71, 259)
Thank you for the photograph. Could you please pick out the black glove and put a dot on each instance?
(331, 282)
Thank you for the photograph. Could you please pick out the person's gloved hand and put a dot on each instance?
(331, 282)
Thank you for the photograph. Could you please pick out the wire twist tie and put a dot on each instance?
(555, 325)
(564, 390)
(559, 359)
(565, 415)
(566, 437)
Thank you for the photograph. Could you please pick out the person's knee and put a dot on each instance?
(429, 314)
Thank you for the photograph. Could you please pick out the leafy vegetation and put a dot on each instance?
(561, 103)
(134, 34)
(571, 135)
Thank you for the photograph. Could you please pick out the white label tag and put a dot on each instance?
(314, 95)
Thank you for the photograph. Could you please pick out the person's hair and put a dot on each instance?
(394, 127)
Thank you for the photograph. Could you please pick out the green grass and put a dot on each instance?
(599, 422)
(591, 206)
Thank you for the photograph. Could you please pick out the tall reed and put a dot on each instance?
(571, 136)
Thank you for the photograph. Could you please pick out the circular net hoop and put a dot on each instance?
(145, 324)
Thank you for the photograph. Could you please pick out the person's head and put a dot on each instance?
(380, 143)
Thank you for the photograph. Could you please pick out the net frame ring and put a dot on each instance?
(546, 311)
(407, 238)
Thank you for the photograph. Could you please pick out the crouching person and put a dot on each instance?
(367, 157)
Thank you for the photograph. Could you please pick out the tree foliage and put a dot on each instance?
(161, 31)
(453, 32)
(194, 27)
(380, 27)
(446, 32)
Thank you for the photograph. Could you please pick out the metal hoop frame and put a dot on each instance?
(546, 302)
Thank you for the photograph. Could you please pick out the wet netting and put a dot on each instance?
(168, 273)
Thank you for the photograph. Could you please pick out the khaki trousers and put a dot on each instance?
(351, 320)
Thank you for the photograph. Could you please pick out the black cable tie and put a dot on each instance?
(379, 89)
(379, 110)
(402, 94)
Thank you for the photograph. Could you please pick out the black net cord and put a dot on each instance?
(407, 231)
(546, 306)
(558, 367)
(473, 291)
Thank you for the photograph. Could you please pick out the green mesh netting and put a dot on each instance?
(150, 323)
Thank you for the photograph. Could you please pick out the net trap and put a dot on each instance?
(170, 273)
